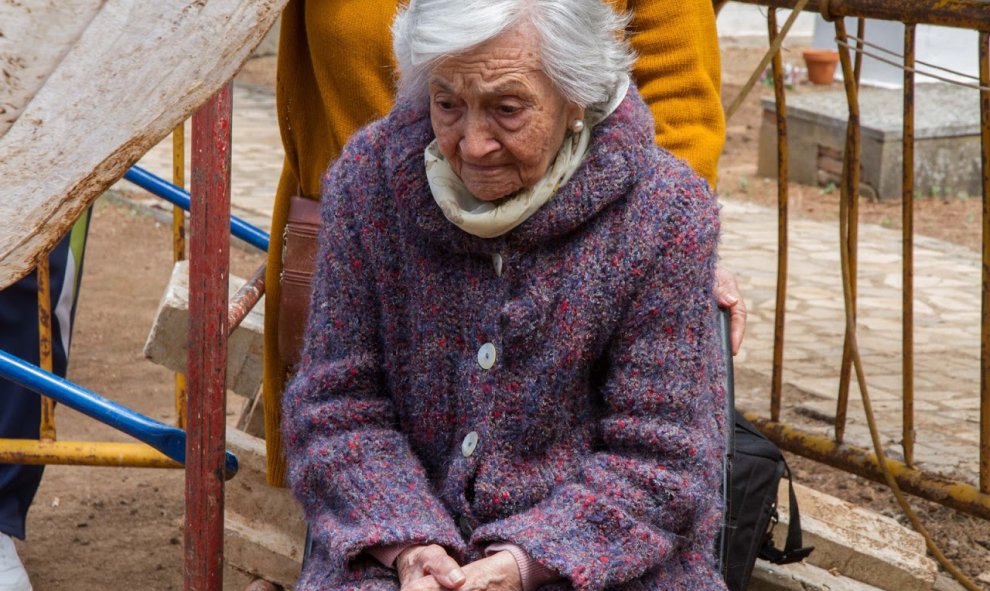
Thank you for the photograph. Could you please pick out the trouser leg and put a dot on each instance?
(20, 409)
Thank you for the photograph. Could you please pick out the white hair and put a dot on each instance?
(582, 42)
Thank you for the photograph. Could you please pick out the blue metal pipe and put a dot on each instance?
(158, 186)
(167, 439)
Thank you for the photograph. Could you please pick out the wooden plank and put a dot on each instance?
(134, 73)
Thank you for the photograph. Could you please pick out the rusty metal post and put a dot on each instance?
(985, 318)
(246, 297)
(958, 495)
(43, 275)
(207, 365)
(907, 242)
(860, 38)
(83, 453)
(966, 14)
(780, 97)
(179, 248)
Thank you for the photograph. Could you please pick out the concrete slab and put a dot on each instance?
(801, 577)
(946, 583)
(857, 543)
(166, 344)
(947, 140)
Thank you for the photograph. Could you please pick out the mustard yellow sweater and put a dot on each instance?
(336, 73)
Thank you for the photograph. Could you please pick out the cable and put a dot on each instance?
(915, 70)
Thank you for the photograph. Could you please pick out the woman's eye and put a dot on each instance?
(508, 109)
(443, 103)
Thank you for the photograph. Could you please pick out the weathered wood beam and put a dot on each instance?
(135, 72)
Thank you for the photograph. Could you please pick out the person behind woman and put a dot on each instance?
(511, 376)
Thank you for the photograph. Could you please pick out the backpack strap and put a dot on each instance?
(793, 550)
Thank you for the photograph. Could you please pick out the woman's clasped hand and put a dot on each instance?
(430, 568)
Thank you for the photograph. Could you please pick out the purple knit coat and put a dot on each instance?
(597, 424)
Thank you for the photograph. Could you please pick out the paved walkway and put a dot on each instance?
(946, 326)
(947, 332)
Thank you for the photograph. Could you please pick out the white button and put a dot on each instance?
(486, 356)
(469, 444)
(497, 263)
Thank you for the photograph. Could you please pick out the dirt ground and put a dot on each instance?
(105, 528)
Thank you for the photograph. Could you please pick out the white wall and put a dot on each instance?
(747, 24)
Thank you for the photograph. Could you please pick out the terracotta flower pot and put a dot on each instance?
(821, 65)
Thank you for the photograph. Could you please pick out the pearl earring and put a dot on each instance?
(577, 126)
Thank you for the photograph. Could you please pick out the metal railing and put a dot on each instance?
(834, 450)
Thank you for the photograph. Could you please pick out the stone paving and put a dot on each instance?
(947, 309)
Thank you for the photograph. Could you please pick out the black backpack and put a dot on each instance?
(751, 512)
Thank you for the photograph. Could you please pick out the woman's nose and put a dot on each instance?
(478, 140)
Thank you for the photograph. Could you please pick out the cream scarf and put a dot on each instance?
(488, 219)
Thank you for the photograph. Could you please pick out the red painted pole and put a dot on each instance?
(207, 368)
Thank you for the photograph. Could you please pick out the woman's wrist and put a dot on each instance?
(532, 574)
(388, 555)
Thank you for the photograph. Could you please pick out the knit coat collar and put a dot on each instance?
(621, 153)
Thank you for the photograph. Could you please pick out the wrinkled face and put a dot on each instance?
(497, 117)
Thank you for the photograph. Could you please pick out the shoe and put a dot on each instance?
(13, 577)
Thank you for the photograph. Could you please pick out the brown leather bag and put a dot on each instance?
(298, 265)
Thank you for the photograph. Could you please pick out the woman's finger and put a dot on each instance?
(444, 569)
(726, 288)
(410, 564)
(737, 325)
(427, 583)
(728, 296)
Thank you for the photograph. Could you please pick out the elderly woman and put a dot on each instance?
(511, 377)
